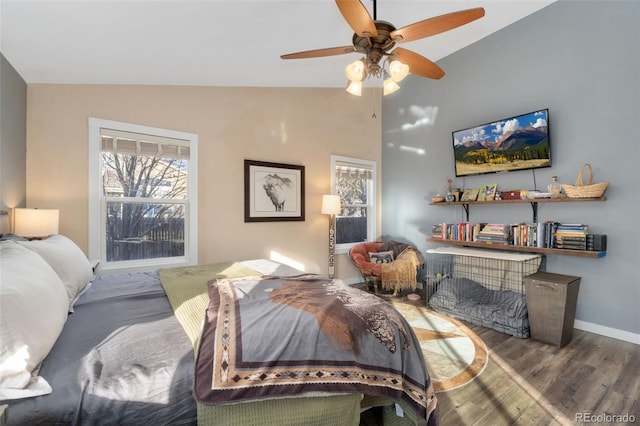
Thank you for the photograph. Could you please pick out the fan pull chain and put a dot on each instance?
(373, 101)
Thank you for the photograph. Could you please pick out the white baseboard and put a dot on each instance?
(627, 336)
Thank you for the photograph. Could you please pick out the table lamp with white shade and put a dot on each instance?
(35, 223)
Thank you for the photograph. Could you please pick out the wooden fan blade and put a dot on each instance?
(418, 64)
(330, 51)
(436, 25)
(357, 17)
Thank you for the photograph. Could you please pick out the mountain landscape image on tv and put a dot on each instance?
(515, 143)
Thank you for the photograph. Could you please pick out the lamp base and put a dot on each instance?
(332, 245)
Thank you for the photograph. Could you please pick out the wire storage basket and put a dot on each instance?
(588, 190)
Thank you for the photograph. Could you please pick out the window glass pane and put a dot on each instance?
(351, 225)
(352, 188)
(353, 180)
(144, 176)
(352, 184)
(144, 230)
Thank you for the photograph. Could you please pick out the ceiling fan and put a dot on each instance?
(375, 39)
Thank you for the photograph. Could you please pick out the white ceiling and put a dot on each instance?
(214, 42)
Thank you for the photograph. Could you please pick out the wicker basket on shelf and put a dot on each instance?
(588, 190)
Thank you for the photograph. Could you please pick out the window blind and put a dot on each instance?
(122, 142)
(347, 170)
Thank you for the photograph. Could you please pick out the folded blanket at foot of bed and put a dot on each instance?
(277, 337)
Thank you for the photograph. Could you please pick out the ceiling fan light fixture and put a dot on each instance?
(355, 71)
(389, 86)
(355, 88)
(398, 70)
(376, 40)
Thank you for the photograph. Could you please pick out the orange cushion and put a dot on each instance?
(360, 256)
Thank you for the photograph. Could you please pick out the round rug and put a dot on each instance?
(454, 354)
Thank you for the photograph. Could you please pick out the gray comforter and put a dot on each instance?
(122, 320)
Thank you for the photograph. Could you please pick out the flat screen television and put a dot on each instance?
(515, 143)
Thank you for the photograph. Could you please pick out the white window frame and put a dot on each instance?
(372, 203)
(97, 201)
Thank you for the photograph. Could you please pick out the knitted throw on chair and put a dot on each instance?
(401, 273)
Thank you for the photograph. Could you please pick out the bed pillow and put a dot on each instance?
(68, 260)
(14, 237)
(381, 257)
(33, 310)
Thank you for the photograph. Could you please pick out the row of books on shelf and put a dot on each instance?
(548, 234)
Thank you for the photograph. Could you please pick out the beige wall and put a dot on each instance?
(294, 126)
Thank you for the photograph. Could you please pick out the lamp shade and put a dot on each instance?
(390, 86)
(35, 222)
(355, 71)
(355, 88)
(398, 70)
(330, 204)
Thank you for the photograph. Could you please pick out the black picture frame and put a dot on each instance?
(266, 184)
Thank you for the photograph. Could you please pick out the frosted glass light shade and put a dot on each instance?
(35, 222)
(398, 70)
(390, 86)
(355, 88)
(355, 71)
(330, 204)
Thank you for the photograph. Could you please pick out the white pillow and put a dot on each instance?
(33, 310)
(381, 257)
(68, 260)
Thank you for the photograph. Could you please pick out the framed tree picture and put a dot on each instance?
(273, 192)
(470, 194)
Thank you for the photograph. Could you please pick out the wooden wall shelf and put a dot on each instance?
(532, 200)
(509, 247)
(534, 203)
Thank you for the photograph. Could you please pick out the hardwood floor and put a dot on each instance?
(530, 382)
(591, 380)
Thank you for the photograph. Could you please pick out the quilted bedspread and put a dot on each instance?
(274, 337)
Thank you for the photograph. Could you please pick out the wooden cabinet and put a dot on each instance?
(527, 249)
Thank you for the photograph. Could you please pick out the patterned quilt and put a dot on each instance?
(272, 337)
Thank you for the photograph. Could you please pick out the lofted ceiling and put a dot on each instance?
(214, 42)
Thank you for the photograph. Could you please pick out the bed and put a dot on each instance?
(128, 350)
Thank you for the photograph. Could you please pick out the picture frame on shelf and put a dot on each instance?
(487, 192)
(273, 192)
(470, 194)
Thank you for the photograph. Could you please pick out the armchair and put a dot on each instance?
(359, 256)
(396, 275)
